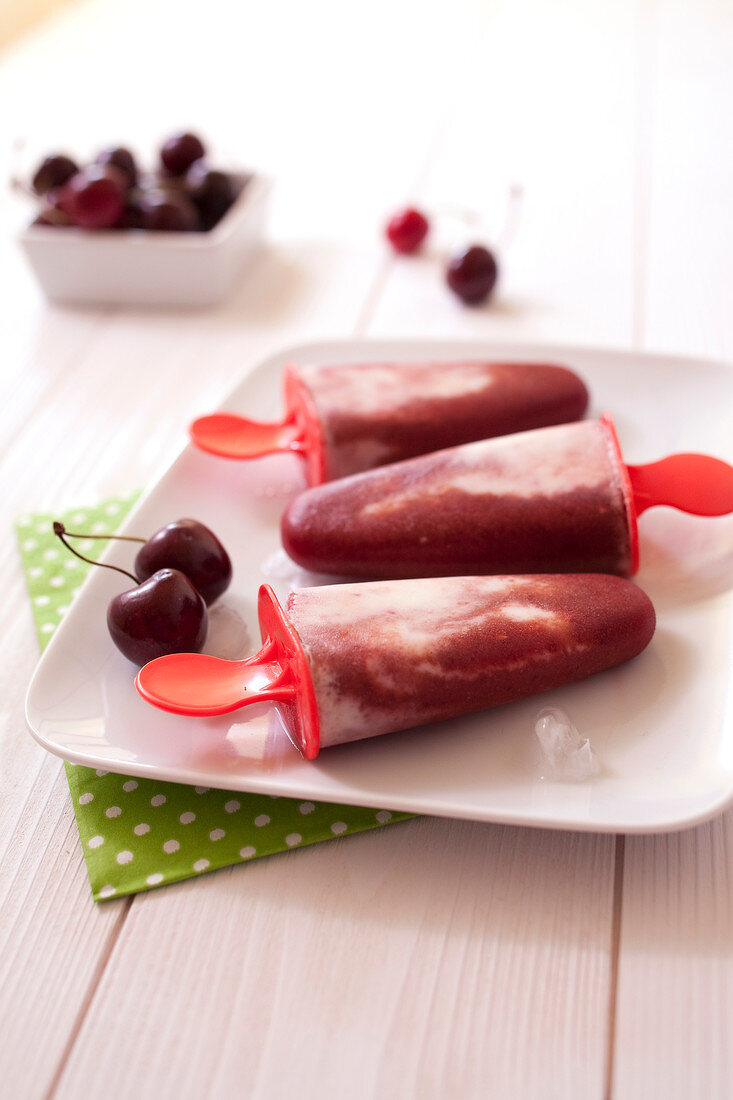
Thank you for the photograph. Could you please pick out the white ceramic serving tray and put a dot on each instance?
(135, 267)
(662, 725)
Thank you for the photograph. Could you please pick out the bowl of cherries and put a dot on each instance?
(108, 231)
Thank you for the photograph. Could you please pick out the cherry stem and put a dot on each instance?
(508, 230)
(81, 535)
(62, 533)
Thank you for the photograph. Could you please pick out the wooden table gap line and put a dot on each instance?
(371, 300)
(617, 916)
(96, 978)
(61, 381)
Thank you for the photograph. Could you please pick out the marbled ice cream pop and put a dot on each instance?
(394, 654)
(346, 662)
(345, 419)
(546, 501)
(379, 413)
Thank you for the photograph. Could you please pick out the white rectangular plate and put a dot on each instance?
(662, 725)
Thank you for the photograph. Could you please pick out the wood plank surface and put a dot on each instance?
(567, 258)
(420, 961)
(673, 1029)
(60, 457)
(675, 965)
(434, 959)
(74, 379)
(425, 1007)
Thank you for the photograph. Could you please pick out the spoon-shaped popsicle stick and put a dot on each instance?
(197, 684)
(202, 686)
(232, 436)
(694, 483)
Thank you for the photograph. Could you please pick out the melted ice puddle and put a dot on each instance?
(569, 755)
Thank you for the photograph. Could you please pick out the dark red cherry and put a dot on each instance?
(407, 229)
(179, 152)
(212, 192)
(53, 171)
(191, 547)
(132, 216)
(51, 212)
(472, 274)
(121, 159)
(163, 181)
(168, 211)
(164, 614)
(94, 198)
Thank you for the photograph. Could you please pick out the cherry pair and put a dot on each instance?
(471, 274)
(178, 571)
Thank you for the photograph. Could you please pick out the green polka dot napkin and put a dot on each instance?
(139, 833)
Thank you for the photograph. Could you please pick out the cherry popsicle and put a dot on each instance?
(552, 500)
(345, 419)
(349, 661)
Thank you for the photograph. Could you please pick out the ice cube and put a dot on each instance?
(569, 755)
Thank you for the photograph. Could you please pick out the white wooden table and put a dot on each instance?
(437, 959)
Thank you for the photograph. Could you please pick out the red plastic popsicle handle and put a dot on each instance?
(232, 436)
(694, 483)
(300, 431)
(197, 685)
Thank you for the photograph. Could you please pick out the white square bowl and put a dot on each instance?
(135, 267)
